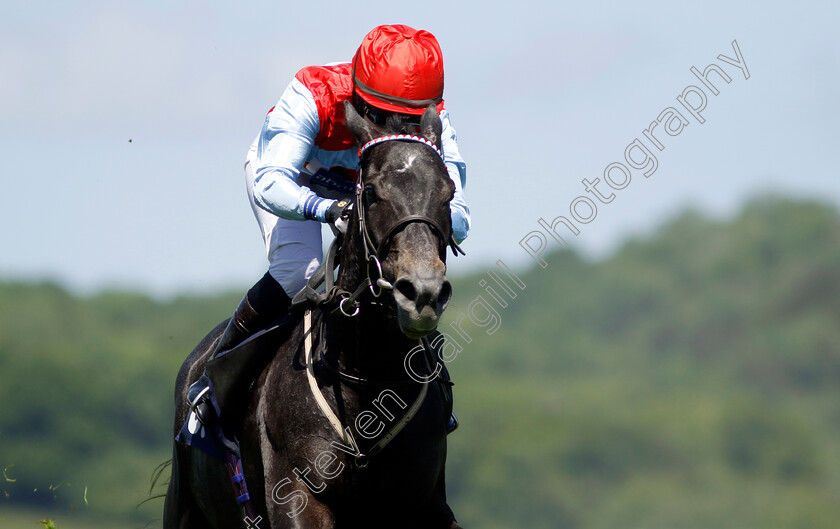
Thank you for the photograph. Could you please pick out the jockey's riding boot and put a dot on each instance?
(453, 423)
(446, 386)
(265, 302)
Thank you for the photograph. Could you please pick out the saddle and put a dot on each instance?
(251, 358)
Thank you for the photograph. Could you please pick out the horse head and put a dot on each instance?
(401, 221)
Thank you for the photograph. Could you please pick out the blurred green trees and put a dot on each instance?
(692, 379)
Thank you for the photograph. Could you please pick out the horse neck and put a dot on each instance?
(371, 341)
(368, 345)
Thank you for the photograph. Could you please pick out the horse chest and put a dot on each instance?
(405, 471)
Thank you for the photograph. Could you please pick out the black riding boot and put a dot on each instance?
(446, 388)
(453, 423)
(265, 302)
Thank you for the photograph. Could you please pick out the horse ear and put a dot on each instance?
(362, 129)
(431, 126)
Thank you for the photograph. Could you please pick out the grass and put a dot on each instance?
(19, 518)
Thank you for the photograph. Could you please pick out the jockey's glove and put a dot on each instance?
(339, 214)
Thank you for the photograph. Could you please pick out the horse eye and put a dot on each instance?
(370, 195)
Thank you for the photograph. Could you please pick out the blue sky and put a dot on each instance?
(542, 95)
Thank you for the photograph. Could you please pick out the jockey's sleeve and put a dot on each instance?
(284, 145)
(459, 211)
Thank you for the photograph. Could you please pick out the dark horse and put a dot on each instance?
(299, 471)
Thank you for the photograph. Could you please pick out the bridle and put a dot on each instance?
(338, 298)
(343, 301)
(374, 252)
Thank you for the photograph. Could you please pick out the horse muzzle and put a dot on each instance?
(420, 302)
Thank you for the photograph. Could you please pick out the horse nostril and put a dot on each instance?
(445, 294)
(404, 287)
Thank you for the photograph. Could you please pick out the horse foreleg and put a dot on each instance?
(289, 503)
(180, 510)
(295, 508)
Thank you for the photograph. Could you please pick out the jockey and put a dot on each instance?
(305, 161)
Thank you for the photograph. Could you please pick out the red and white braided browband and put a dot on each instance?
(401, 137)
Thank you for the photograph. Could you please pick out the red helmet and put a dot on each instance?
(399, 69)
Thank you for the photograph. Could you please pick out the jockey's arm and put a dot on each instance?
(459, 211)
(284, 146)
